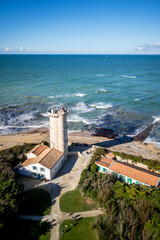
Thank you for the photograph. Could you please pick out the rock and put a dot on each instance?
(144, 133)
(21, 156)
(104, 132)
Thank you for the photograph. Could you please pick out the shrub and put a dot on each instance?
(94, 168)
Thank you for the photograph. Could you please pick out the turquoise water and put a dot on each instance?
(120, 92)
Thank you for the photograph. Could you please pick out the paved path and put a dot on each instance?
(63, 216)
(66, 180)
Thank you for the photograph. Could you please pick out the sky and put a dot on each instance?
(80, 26)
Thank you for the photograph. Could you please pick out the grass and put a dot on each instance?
(81, 230)
(73, 201)
(35, 202)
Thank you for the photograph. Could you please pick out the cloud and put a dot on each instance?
(22, 50)
(147, 47)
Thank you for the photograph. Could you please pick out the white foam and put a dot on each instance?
(101, 105)
(81, 107)
(101, 90)
(44, 114)
(156, 119)
(59, 96)
(126, 76)
(137, 131)
(51, 97)
(23, 117)
(150, 140)
(67, 95)
(77, 118)
(73, 131)
(79, 94)
(137, 99)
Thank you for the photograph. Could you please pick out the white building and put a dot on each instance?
(43, 161)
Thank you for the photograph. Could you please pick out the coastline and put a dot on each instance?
(133, 146)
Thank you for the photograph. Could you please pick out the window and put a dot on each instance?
(106, 170)
(99, 168)
(124, 178)
(116, 175)
(130, 181)
(42, 169)
(138, 183)
(127, 180)
(103, 169)
(34, 168)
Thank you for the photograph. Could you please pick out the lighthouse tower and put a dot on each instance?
(58, 129)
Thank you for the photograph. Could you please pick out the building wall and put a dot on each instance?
(120, 176)
(35, 170)
(57, 167)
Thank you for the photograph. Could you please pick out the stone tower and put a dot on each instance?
(58, 129)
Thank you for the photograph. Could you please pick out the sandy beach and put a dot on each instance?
(134, 147)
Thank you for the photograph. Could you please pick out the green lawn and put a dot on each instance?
(35, 202)
(81, 230)
(73, 201)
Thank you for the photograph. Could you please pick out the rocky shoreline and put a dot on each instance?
(100, 137)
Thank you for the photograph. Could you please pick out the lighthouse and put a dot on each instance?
(58, 129)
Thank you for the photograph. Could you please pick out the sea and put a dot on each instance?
(118, 92)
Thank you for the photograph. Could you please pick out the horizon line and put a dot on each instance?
(79, 53)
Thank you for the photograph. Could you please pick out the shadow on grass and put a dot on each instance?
(38, 201)
(24, 230)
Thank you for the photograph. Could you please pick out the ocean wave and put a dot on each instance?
(73, 131)
(98, 121)
(126, 76)
(101, 90)
(156, 119)
(44, 114)
(150, 140)
(68, 95)
(81, 107)
(79, 94)
(101, 105)
(77, 118)
(25, 116)
(137, 131)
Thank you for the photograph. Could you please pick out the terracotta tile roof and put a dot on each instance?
(29, 161)
(38, 149)
(110, 155)
(103, 164)
(36, 159)
(136, 173)
(48, 158)
(107, 160)
(33, 149)
(51, 158)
